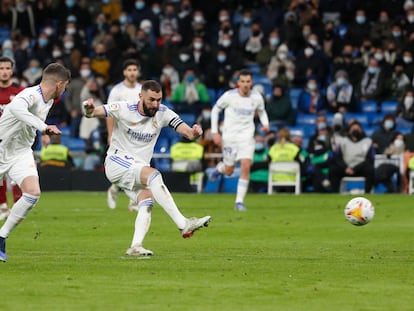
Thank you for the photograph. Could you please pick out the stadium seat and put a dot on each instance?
(298, 131)
(212, 186)
(352, 185)
(370, 109)
(302, 118)
(74, 144)
(360, 117)
(188, 118)
(404, 130)
(284, 168)
(368, 130)
(377, 119)
(254, 68)
(261, 79)
(212, 94)
(389, 107)
(229, 183)
(294, 96)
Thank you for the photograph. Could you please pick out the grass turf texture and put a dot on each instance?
(285, 253)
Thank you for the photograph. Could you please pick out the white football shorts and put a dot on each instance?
(234, 151)
(19, 167)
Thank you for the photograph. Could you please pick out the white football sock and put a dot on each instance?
(143, 221)
(163, 197)
(18, 212)
(242, 186)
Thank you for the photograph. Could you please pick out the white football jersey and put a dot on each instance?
(239, 113)
(135, 134)
(24, 115)
(121, 92)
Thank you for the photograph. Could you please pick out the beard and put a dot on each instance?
(149, 112)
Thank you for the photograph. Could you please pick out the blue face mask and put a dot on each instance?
(70, 3)
(274, 41)
(321, 126)
(389, 124)
(34, 70)
(372, 70)
(247, 20)
(123, 19)
(139, 5)
(43, 42)
(259, 146)
(221, 58)
(322, 138)
(156, 10)
(360, 19)
(190, 78)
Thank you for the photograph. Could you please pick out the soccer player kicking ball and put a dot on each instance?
(240, 106)
(137, 126)
(21, 118)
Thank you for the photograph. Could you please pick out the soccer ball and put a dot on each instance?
(359, 211)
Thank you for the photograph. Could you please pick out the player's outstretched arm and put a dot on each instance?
(91, 111)
(191, 133)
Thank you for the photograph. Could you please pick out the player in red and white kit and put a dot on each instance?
(8, 89)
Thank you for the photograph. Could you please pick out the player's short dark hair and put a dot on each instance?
(6, 59)
(130, 62)
(151, 85)
(245, 72)
(56, 71)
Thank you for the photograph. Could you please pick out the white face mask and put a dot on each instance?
(398, 143)
(308, 52)
(56, 54)
(167, 71)
(85, 73)
(408, 102)
(312, 86)
(184, 57)
(70, 30)
(68, 45)
(282, 56)
(198, 45)
(226, 43)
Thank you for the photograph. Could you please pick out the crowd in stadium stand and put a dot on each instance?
(308, 57)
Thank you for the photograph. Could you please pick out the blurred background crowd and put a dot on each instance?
(308, 58)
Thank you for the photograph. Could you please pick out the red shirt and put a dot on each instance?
(7, 94)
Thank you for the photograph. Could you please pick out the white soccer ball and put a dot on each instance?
(359, 211)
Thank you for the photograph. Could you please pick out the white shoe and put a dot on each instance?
(138, 251)
(193, 224)
(133, 206)
(4, 211)
(111, 197)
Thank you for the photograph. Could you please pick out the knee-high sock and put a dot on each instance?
(143, 221)
(17, 213)
(242, 187)
(3, 191)
(163, 197)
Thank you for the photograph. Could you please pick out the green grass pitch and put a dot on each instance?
(286, 252)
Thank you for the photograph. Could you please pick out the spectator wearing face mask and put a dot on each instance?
(405, 109)
(385, 171)
(279, 107)
(354, 156)
(340, 94)
(310, 99)
(322, 135)
(34, 72)
(219, 70)
(399, 81)
(384, 135)
(281, 68)
(72, 97)
(169, 80)
(359, 29)
(309, 63)
(191, 95)
(373, 85)
(269, 49)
